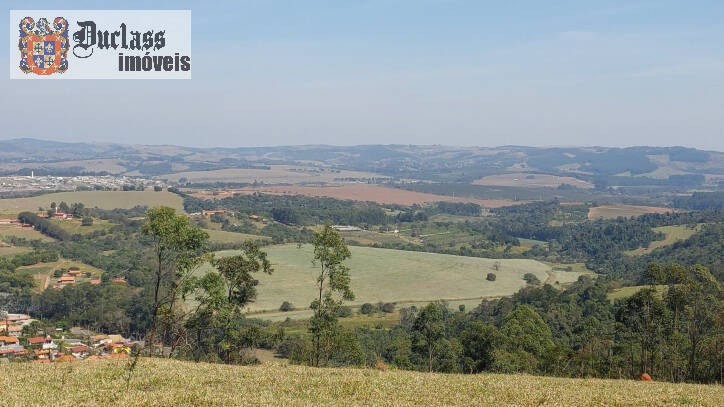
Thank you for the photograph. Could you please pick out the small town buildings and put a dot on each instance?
(119, 280)
(95, 281)
(62, 216)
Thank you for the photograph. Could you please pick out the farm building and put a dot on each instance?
(213, 212)
(66, 280)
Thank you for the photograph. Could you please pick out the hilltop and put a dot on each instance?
(158, 382)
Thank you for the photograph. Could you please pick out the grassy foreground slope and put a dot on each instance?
(174, 383)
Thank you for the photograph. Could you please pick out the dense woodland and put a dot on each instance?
(671, 327)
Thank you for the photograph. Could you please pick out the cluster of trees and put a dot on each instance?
(44, 226)
(699, 201)
(674, 334)
(296, 210)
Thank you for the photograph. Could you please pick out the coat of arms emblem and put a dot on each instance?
(43, 48)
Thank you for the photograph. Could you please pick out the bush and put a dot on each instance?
(388, 308)
(344, 311)
(461, 307)
(87, 221)
(491, 277)
(367, 308)
(157, 188)
(286, 306)
(530, 278)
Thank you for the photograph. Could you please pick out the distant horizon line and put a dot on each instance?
(549, 146)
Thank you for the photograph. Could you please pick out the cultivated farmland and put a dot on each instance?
(93, 199)
(627, 211)
(383, 275)
(169, 382)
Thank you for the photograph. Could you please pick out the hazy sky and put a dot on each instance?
(411, 72)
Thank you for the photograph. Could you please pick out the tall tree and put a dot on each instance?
(221, 297)
(238, 271)
(178, 248)
(429, 328)
(329, 254)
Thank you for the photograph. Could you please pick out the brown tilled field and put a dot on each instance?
(358, 192)
(614, 211)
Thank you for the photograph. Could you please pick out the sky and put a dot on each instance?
(469, 73)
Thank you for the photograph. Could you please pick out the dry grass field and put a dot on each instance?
(673, 234)
(384, 275)
(163, 382)
(530, 181)
(222, 236)
(11, 250)
(93, 199)
(360, 192)
(27, 233)
(627, 211)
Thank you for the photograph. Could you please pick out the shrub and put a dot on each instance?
(461, 307)
(530, 278)
(491, 277)
(87, 221)
(344, 311)
(286, 306)
(367, 308)
(388, 308)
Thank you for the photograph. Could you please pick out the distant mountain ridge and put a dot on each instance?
(423, 162)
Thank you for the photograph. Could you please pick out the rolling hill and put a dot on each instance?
(385, 275)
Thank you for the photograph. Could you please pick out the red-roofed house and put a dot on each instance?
(45, 343)
(36, 341)
(6, 340)
(79, 351)
(66, 280)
